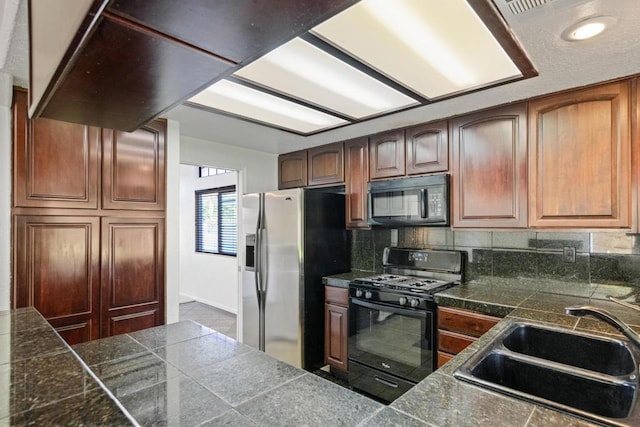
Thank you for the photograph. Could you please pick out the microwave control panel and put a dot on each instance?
(436, 203)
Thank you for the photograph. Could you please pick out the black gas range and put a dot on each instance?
(392, 319)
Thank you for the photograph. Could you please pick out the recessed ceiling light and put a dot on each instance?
(588, 28)
(435, 48)
(240, 100)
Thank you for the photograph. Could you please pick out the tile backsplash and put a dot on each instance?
(600, 257)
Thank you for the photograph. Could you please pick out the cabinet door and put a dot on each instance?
(490, 168)
(133, 172)
(132, 279)
(292, 170)
(57, 271)
(336, 333)
(386, 154)
(326, 164)
(428, 148)
(580, 158)
(56, 163)
(357, 176)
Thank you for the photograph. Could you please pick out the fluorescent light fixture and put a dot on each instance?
(588, 28)
(240, 100)
(436, 48)
(300, 69)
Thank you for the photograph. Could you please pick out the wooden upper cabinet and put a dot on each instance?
(133, 172)
(428, 148)
(57, 271)
(580, 158)
(357, 176)
(489, 168)
(56, 164)
(132, 281)
(387, 154)
(292, 170)
(326, 164)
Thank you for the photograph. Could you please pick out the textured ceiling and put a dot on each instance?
(14, 40)
(561, 65)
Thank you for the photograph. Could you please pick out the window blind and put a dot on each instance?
(216, 221)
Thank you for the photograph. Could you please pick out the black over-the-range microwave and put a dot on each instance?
(401, 202)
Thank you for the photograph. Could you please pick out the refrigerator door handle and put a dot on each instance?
(260, 264)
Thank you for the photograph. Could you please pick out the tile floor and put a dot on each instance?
(211, 317)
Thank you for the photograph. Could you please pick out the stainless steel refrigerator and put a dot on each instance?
(292, 239)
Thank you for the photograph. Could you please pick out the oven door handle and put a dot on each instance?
(378, 306)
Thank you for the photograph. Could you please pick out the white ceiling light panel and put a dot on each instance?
(436, 48)
(243, 101)
(301, 70)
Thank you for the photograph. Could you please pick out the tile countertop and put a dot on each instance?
(42, 382)
(342, 280)
(187, 374)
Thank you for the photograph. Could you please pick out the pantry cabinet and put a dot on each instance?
(336, 327)
(132, 274)
(133, 175)
(580, 158)
(57, 270)
(357, 177)
(56, 164)
(88, 225)
(489, 171)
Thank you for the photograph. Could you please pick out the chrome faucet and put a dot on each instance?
(605, 316)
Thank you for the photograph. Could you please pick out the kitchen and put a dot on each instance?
(193, 137)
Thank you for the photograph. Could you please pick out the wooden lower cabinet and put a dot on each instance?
(336, 325)
(458, 328)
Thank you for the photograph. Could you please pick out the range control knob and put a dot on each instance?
(402, 301)
(367, 295)
(415, 302)
(358, 293)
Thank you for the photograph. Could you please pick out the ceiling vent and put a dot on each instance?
(520, 6)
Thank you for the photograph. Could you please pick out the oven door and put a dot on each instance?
(397, 341)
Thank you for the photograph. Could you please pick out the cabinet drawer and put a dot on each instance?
(464, 321)
(453, 343)
(443, 358)
(335, 295)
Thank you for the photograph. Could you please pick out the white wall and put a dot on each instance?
(257, 172)
(6, 94)
(208, 278)
(172, 247)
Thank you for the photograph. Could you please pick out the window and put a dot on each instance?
(216, 225)
(204, 171)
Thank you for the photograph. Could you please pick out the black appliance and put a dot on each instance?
(410, 201)
(392, 320)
